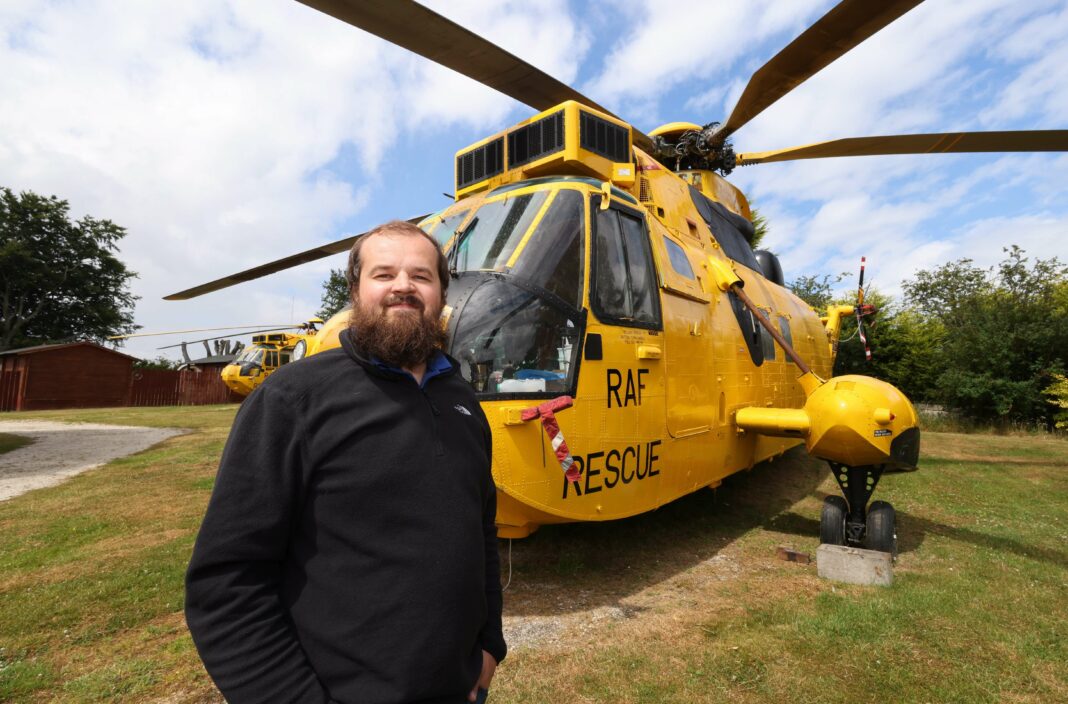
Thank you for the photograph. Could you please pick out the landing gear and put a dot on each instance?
(850, 521)
(833, 521)
(881, 532)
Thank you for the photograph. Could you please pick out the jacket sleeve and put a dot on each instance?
(233, 604)
(492, 635)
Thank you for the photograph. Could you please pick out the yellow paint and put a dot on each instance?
(668, 411)
(272, 351)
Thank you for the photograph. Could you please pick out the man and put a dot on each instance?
(349, 552)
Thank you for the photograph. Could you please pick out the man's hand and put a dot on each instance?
(489, 667)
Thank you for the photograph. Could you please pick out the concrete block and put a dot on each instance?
(854, 565)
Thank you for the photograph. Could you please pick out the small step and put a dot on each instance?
(855, 565)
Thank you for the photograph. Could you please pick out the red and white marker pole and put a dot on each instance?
(546, 412)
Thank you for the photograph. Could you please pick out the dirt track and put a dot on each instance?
(61, 450)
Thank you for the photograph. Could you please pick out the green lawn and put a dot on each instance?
(684, 604)
(9, 442)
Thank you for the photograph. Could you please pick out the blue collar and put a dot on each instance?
(436, 366)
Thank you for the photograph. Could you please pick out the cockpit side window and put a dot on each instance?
(677, 256)
(624, 288)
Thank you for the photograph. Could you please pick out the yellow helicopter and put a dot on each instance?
(269, 351)
(251, 365)
(627, 344)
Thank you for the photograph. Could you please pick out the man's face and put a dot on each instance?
(399, 276)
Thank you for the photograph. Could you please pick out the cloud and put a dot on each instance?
(207, 128)
(224, 134)
(677, 42)
(1041, 87)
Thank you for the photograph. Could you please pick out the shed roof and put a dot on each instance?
(42, 348)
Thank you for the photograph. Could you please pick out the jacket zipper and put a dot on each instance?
(439, 449)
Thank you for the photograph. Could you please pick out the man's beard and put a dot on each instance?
(404, 338)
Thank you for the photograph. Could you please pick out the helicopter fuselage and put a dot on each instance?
(573, 285)
(259, 360)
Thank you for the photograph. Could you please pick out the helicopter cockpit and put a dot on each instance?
(251, 358)
(517, 259)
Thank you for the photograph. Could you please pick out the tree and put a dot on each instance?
(159, 362)
(815, 290)
(1058, 397)
(1005, 334)
(61, 280)
(335, 293)
(904, 344)
(760, 229)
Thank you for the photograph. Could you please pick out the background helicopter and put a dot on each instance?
(562, 199)
(250, 365)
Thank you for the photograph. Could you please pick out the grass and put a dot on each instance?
(952, 422)
(91, 571)
(9, 442)
(684, 604)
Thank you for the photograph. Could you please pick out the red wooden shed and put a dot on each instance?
(72, 375)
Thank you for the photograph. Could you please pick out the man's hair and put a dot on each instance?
(394, 227)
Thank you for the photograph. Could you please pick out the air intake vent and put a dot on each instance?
(480, 163)
(604, 138)
(643, 190)
(536, 140)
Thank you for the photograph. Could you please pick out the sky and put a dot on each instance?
(223, 134)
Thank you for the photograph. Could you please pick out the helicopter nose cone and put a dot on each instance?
(231, 376)
(856, 419)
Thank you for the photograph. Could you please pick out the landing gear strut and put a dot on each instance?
(851, 521)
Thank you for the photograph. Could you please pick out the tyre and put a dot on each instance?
(881, 530)
(833, 520)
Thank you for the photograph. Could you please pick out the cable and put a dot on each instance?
(505, 588)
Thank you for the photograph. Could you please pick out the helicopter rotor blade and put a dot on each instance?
(226, 337)
(308, 255)
(422, 31)
(847, 24)
(939, 143)
(184, 332)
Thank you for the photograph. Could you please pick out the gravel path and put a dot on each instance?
(62, 450)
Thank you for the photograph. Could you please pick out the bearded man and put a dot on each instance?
(349, 552)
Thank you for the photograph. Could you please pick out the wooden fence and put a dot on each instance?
(9, 390)
(166, 387)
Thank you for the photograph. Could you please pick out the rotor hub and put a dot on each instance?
(685, 145)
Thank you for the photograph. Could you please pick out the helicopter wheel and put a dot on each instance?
(881, 531)
(833, 521)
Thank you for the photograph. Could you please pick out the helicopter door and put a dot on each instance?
(623, 365)
(691, 396)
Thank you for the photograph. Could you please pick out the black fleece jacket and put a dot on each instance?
(349, 552)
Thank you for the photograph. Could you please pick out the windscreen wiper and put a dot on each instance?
(460, 238)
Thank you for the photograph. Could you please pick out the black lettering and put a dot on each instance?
(612, 468)
(643, 467)
(614, 388)
(652, 458)
(632, 395)
(641, 384)
(626, 479)
(591, 472)
(567, 484)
